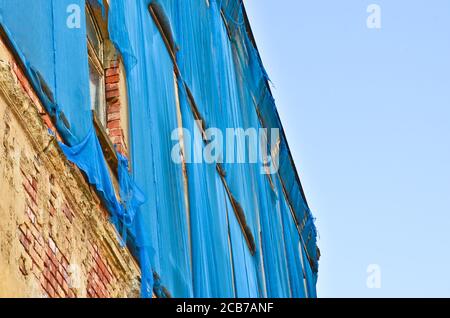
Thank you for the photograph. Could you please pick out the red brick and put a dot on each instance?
(98, 290)
(60, 292)
(41, 252)
(33, 206)
(36, 234)
(23, 228)
(104, 271)
(47, 274)
(90, 292)
(112, 86)
(113, 124)
(112, 79)
(14, 67)
(52, 210)
(55, 264)
(94, 278)
(110, 271)
(65, 287)
(67, 212)
(52, 245)
(61, 268)
(23, 240)
(52, 201)
(115, 132)
(49, 265)
(31, 209)
(43, 281)
(40, 241)
(30, 191)
(34, 183)
(30, 214)
(58, 260)
(47, 121)
(101, 293)
(65, 264)
(66, 277)
(112, 71)
(20, 76)
(52, 281)
(114, 107)
(36, 259)
(104, 277)
(49, 252)
(24, 82)
(30, 237)
(113, 116)
(59, 278)
(50, 291)
(112, 94)
(117, 141)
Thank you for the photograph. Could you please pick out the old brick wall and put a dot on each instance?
(116, 101)
(55, 237)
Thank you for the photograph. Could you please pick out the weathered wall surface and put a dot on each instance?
(55, 237)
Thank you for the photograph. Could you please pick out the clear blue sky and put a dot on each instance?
(367, 116)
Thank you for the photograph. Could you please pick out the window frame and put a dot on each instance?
(95, 61)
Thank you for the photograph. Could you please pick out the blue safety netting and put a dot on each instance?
(183, 225)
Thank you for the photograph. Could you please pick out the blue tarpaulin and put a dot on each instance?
(185, 221)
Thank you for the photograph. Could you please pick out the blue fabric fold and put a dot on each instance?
(88, 156)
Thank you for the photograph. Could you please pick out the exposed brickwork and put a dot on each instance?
(114, 105)
(32, 95)
(55, 279)
(49, 263)
(100, 277)
(55, 236)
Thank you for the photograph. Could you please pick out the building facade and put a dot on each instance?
(142, 155)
